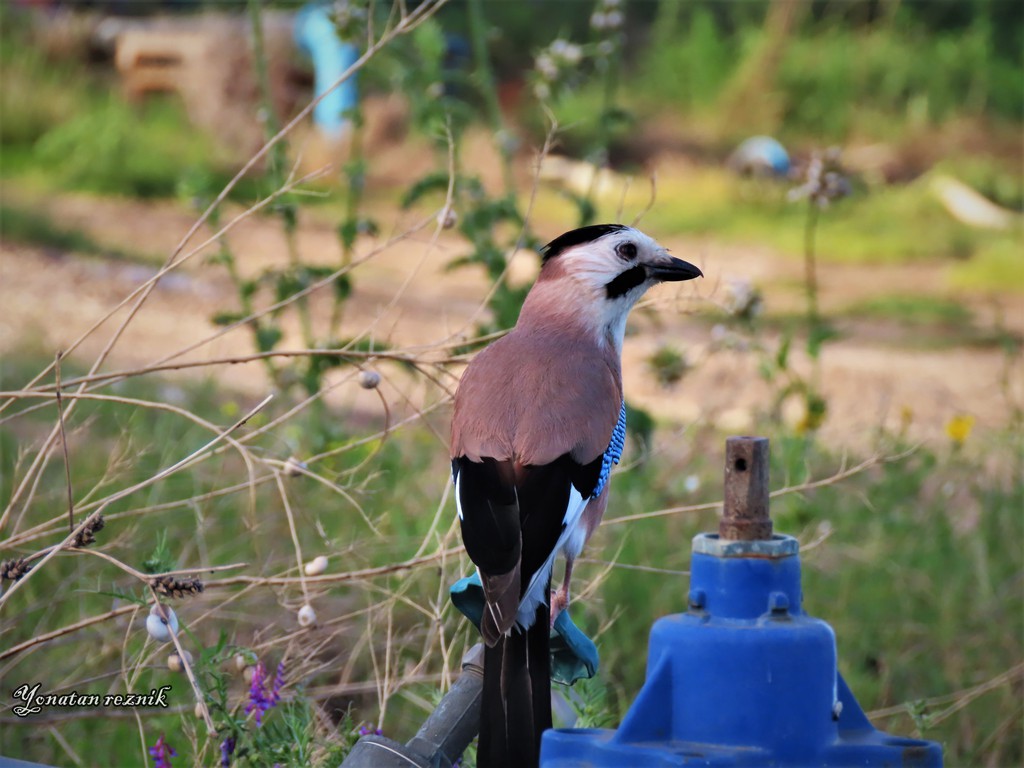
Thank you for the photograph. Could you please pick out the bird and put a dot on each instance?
(538, 423)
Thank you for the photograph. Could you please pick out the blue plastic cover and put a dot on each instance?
(573, 654)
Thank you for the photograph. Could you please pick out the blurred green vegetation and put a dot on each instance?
(24, 225)
(939, 81)
(914, 310)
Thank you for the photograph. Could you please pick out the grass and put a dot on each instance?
(914, 311)
(921, 568)
(994, 268)
(930, 322)
(31, 227)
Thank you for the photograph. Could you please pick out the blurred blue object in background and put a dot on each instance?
(760, 156)
(316, 35)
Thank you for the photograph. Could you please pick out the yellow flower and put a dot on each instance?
(959, 428)
(816, 408)
(906, 417)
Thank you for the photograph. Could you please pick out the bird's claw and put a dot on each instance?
(559, 602)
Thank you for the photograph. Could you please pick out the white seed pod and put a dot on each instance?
(316, 566)
(248, 673)
(293, 467)
(199, 710)
(369, 379)
(241, 663)
(307, 616)
(161, 622)
(175, 664)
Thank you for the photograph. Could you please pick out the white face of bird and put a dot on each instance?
(615, 268)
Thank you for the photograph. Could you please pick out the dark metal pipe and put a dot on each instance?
(451, 727)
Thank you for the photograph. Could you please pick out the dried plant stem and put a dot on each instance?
(842, 474)
(652, 198)
(811, 266)
(295, 536)
(406, 24)
(46, 558)
(958, 699)
(336, 578)
(151, 404)
(169, 265)
(66, 630)
(187, 665)
(188, 459)
(128, 491)
(410, 357)
(281, 465)
(141, 293)
(146, 578)
(42, 457)
(64, 445)
(48, 528)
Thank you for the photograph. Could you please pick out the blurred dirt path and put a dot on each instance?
(49, 298)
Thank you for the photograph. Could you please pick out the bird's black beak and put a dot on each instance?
(673, 270)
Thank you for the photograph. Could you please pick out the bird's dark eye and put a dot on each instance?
(627, 251)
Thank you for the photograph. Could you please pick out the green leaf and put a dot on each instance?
(247, 288)
(347, 232)
(160, 559)
(343, 287)
(819, 334)
(227, 318)
(267, 337)
(782, 356)
(288, 284)
(429, 40)
(432, 182)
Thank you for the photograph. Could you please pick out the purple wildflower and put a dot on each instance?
(275, 693)
(367, 729)
(258, 694)
(162, 752)
(227, 747)
(258, 698)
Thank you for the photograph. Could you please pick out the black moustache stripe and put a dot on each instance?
(626, 282)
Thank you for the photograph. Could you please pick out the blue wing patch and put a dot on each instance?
(613, 453)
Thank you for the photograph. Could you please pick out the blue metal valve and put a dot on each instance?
(744, 677)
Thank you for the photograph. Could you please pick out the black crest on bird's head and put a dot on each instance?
(579, 236)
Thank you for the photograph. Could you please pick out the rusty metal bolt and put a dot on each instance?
(745, 516)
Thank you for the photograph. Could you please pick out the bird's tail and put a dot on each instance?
(516, 700)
